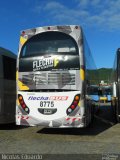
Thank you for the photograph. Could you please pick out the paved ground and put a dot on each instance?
(101, 138)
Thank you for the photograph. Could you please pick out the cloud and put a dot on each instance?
(54, 5)
(101, 14)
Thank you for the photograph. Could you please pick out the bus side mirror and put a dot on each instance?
(114, 87)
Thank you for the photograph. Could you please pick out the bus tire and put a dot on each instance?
(117, 108)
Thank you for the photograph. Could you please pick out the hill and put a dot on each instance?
(105, 74)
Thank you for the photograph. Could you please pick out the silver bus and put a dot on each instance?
(55, 72)
(7, 86)
(115, 77)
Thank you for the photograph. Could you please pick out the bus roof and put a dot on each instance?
(70, 28)
(7, 53)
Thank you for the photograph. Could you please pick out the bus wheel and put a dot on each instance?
(92, 112)
(114, 107)
(117, 111)
(117, 108)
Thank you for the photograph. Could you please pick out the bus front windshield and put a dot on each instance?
(49, 43)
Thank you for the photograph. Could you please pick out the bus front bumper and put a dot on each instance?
(68, 122)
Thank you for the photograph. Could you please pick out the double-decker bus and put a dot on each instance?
(115, 77)
(7, 86)
(55, 71)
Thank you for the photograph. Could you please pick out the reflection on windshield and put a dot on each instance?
(49, 43)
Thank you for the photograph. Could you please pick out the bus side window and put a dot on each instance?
(9, 68)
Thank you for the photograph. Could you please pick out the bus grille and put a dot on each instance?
(49, 78)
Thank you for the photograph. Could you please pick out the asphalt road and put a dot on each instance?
(101, 139)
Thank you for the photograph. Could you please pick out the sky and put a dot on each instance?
(100, 20)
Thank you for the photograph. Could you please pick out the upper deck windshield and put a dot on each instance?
(49, 43)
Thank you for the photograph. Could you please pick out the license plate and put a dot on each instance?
(47, 111)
